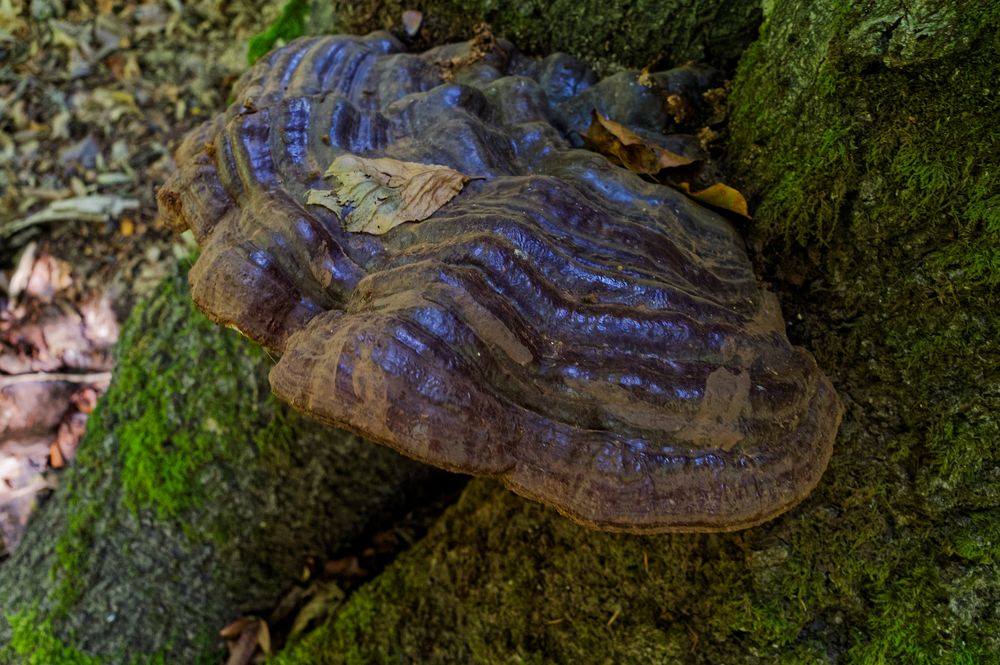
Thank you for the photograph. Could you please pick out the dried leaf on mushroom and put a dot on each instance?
(631, 150)
(385, 192)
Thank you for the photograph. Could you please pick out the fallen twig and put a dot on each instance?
(33, 487)
(43, 377)
(96, 208)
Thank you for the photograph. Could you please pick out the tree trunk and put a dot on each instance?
(867, 137)
(196, 498)
(609, 34)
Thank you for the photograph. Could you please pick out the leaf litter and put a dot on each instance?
(94, 97)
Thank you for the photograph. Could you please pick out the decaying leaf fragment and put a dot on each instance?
(719, 195)
(483, 44)
(386, 192)
(635, 153)
(326, 198)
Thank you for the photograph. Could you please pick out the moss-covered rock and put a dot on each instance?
(608, 33)
(196, 497)
(867, 135)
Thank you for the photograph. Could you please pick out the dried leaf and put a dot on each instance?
(412, 19)
(56, 460)
(386, 192)
(634, 152)
(264, 637)
(19, 280)
(721, 196)
(322, 197)
(233, 630)
(327, 597)
(48, 276)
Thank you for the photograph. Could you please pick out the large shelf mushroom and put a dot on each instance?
(597, 341)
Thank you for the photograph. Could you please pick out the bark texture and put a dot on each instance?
(609, 34)
(196, 498)
(867, 135)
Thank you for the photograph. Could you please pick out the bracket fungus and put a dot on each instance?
(597, 341)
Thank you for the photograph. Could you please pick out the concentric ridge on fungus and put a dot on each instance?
(597, 341)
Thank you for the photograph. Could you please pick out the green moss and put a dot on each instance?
(289, 25)
(156, 388)
(162, 461)
(503, 581)
(73, 551)
(906, 622)
(897, 281)
(902, 630)
(35, 643)
(977, 538)
(531, 602)
(820, 150)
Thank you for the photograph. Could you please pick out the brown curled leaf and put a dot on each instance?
(632, 151)
(720, 195)
(234, 629)
(386, 192)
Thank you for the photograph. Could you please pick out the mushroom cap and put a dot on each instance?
(598, 342)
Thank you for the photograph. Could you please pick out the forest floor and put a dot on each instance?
(93, 101)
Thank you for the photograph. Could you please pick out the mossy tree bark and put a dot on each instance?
(866, 133)
(196, 497)
(608, 33)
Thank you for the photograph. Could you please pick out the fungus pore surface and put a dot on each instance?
(597, 341)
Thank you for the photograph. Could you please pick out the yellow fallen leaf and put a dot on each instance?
(631, 150)
(264, 637)
(325, 198)
(386, 192)
(721, 196)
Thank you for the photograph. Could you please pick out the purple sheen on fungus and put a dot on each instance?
(598, 342)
